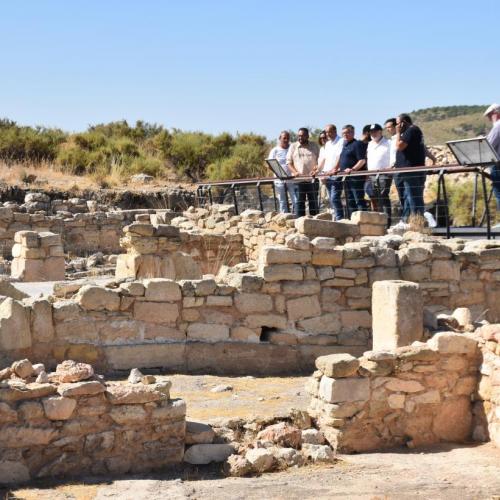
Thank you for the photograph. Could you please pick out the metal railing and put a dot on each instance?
(230, 188)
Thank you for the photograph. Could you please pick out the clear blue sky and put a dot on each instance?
(259, 66)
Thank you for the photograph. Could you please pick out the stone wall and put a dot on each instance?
(302, 300)
(81, 233)
(37, 256)
(415, 395)
(72, 423)
(486, 409)
(164, 251)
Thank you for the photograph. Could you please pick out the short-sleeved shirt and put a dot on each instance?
(494, 137)
(394, 150)
(378, 154)
(304, 158)
(352, 152)
(414, 153)
(279, 153)
(330, 152)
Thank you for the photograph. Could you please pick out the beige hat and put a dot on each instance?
(493, 108)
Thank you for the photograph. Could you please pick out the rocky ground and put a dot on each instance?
(446, 471)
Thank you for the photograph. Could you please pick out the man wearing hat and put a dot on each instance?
(379, 157)
(493, 115)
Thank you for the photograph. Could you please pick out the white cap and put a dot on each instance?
(491, 109)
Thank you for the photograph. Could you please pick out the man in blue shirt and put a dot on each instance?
(410, 152)
(351, 159)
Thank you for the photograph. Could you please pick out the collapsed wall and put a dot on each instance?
(73, 423)
(447, 389)
(81, 233)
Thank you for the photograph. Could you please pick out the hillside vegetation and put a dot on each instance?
(118, 150)
(441, 124)
(111, 153)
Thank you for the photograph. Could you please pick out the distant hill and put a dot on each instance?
(445, 123)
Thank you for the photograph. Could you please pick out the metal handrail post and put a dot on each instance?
(486, 206)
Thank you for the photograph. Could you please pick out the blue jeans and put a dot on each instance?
(334, 185)
(495, 182)
(355, 187)
(281, 193)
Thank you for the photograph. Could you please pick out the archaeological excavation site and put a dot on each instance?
(128, 338)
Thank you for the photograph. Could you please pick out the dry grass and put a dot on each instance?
(78, 491)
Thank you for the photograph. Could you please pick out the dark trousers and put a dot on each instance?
(307, 190)
(413, 188)
(400, 188)
(378, 190)
(495, 181)
(355, 188)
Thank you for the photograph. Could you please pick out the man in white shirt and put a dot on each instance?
(379, 157)
(493, 115)
(329, 156)
(279, 153)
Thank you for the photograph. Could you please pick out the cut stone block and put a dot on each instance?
(397, 310)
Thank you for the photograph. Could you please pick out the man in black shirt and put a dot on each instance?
(351, 159)
(410, 152)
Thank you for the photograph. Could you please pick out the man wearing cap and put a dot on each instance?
(493, 115)
(379, 157)
(302, 159)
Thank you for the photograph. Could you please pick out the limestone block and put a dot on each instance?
(371, 229)
(42, 326)
(14, 325)
(134, 288)
(98, 298)
(448, 270)
(344, 390)
(58, 407)
(362, 217)
(244, 334)
(355, 319)
(28, 269)
(401, 385)
(308, 287)
(280, 272)
(162, 290)
(48, 239)
(122, 357)
(283, 255)
(327, 257)
(298, 242)
(452, 343)
(397, 310)
(199, 433)
(85, 388)
(128, 414)
(330, 229)
(71, 371)
(156, 312)
(270, 320)
(303, 307)
(208, 332)
(416, 272)
(327, 323)
(27, 238)
(337, 365)
(219, 301)
(261, 459)
(248, 303)
(125, 394)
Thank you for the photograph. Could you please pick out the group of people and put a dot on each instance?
(334, 160)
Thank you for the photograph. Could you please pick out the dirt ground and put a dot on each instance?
(447, 471)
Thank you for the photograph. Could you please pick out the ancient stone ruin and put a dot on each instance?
(403, 331)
